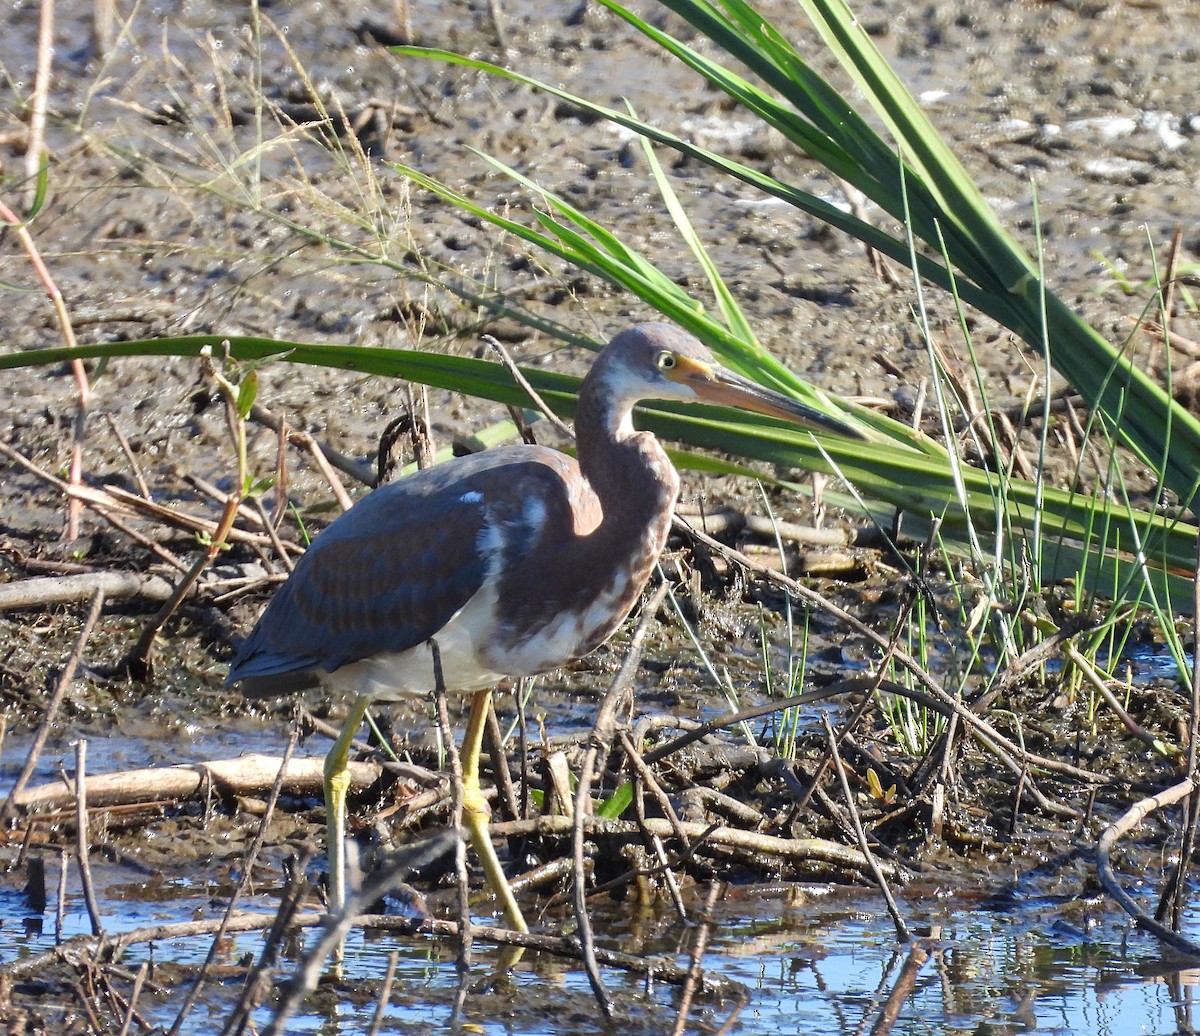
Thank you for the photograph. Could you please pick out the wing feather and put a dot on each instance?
(394, 569)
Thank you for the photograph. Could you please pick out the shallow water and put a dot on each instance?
(1003, 960)
(1012, 947)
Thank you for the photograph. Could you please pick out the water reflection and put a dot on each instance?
(813, 961)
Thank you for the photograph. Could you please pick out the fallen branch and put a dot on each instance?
(246, 775)
(794, 850)
(48, 591)
(1128, 821)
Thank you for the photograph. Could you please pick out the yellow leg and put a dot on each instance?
(477, 813)
(337, 784)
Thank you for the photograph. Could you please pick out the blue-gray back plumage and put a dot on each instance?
(391, 572)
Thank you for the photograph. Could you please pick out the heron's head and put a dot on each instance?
(660, 361)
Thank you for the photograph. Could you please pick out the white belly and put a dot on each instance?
(462, 647)
(473, 653)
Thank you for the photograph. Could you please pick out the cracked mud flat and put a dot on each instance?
(1096, 103)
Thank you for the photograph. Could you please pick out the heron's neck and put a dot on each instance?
(628, 471)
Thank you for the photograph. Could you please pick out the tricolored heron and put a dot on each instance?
(513, 561)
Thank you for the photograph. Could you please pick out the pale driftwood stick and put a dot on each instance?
(246, 775)
(718, 802)
(795, 533)
(1188, 346)
(1126, 823)
(46, 591)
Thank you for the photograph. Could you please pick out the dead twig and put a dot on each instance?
(646, 777)
(114, 498)
(216, 946)
(528, 389)
(138, 662)
(131, 1010)
(600, 741)
(695, 969)
(81, 837)
(325, 457)
(39, 103)
(1172, 900)
(861, 835)
(80, 948)
(78, 371)
(258, 980)
(918, 954)
(1003, 748)
(1109, 838)
(385, 993)
(462, 875)
(1100, 685)
(126, 449)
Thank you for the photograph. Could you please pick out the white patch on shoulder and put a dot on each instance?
(490, 545)
(534, 512)
(462, 644)
(471, 497)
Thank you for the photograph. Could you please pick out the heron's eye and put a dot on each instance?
(666, 361)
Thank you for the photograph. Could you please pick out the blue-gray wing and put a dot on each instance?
(392, 571)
